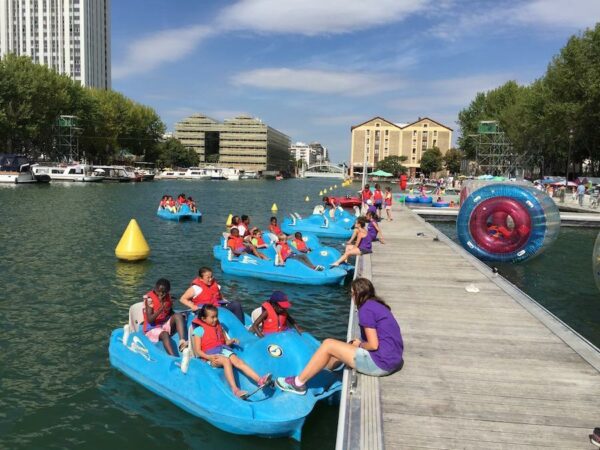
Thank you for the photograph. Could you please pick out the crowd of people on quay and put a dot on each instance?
(167, 202)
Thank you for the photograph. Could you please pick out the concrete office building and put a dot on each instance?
(243, 142)
(379, 138)
(69, 36)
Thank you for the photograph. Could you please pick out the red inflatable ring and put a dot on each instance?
(490, 227)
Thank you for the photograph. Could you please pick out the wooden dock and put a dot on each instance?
(484, 370)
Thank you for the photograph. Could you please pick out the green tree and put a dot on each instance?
(392, 164)
(432, 160)
(452, 160)
(172, 153)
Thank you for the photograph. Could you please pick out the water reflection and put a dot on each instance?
(130, 278)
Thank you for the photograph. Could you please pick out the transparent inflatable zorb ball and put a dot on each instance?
(507, 222)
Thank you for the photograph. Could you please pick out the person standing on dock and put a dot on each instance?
(377, 353)
(580, 193)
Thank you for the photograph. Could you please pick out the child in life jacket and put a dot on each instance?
(205, 289)
(163, 202)
(284, 252)
(274, 227)
(257, 239)
(332, 204)
(172, 205)
(275, 316)
(181, 199)
(299, 244)
(238, 246)
(387, 202)
(212, 344)
(192, 204)
(160, 322)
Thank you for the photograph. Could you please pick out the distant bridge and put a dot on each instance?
(324, 170)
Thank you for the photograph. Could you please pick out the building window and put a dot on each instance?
(377, 124)
(424, 125)
(387, 132)
(368, 132)
(435, 132)
(414, 132)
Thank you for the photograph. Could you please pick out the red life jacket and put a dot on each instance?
(182, 200)
(274, 322)
(209, 294)
(285, 250)
(259, 240)
(300, 245)
(212, 337)
(163, 203)
(171, 202)
(163, 316)
(377, 195)
(388, 199)
(235, 243)
(366, 194)
(275, 229)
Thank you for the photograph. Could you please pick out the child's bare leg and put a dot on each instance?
(178, 319)
(228, 369)
(166, 340)
(239, 364)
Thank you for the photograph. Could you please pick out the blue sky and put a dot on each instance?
(314, 68)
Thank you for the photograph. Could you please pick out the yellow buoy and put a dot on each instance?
(335, 186)
(274, 207)
(228, 221)
(133, 245)
(307, 199)
(320, 192)
(330, 188)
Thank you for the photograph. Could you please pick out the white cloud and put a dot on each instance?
(156, 49)
(316, 17)
(561, 13)
(316, 81)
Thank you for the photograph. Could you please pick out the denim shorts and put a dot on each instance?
(363, 363)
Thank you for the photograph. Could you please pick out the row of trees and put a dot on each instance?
(558, 112)
(33, 97)
(432, 161)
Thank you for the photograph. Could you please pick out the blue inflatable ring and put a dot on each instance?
(440, 204)
(424, 199)
(534, 217)
(411, 199)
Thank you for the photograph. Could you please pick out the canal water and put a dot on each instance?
(561, 278)
(63, 292)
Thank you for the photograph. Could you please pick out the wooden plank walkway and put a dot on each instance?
(490, 369)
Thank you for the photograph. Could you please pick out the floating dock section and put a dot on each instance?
(485, 365)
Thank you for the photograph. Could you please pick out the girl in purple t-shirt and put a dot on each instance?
(377, 353)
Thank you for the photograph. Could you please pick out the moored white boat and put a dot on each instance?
(16, 169)
(231, 174)
(75, 172)
(117, 173)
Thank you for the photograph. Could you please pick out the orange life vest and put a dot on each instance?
(285, 250)
(275, 229)
(300, 245)
(212, 337)
(274, 322)
(210, 294)
(163, 316)
(235, 243)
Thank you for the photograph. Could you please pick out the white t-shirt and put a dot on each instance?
(198, 289)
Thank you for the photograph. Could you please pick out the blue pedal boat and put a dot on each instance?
(184, 213)
(203, 390)
(321, 224)
(293, 271)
